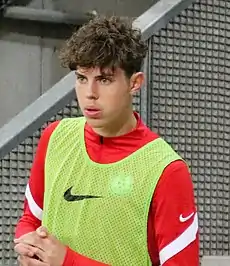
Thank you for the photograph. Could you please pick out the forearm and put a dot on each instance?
(27, 222)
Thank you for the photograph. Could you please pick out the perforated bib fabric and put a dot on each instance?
(101, 210)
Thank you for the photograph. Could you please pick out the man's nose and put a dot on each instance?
(92, 91)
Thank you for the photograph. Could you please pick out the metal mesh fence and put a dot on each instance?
(189, 105)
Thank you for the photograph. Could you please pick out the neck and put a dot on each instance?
(122, 127)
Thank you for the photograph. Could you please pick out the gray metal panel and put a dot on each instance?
(51, 70)
(29, 66)
(19, 72)
(35, 3)
(118, 7)
(44, 15)
(190, 107)
(215, 261)
(49, 4)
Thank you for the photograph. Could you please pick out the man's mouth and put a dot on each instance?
(92, 112)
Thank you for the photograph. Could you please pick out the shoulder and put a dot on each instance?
(176, 181)
(178, 166)
(47, 132)
(66, 122)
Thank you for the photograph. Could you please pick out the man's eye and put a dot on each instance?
(81, 79)
(105, 81)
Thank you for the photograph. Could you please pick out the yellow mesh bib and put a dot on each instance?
(101, 210)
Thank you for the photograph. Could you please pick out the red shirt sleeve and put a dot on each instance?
(173, 219)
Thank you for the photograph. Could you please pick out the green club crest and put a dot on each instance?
(121, 185)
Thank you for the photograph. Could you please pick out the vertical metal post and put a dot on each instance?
(145, 96)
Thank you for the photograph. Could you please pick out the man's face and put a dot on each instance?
(104, 97)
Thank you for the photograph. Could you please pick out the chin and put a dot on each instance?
(95, 123)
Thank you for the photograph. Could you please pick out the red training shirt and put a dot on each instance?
(172, 222)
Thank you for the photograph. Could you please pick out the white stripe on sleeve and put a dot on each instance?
(34, 208)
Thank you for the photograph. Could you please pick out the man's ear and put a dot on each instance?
(136, 81)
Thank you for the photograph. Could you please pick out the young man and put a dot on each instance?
(105, 188)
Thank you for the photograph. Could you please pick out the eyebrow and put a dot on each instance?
(80, 75)
(103, 75)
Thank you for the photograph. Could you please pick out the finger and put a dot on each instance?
(41, 254)
(34, 262)
(24, 250)
(30, 235)
(19, 240)
(32, 240)
(25, 261)
(42, 231)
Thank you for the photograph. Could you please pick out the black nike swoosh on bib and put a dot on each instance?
(70, 197)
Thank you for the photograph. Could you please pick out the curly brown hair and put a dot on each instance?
(105, 42)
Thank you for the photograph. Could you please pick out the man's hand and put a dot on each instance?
(43, 245)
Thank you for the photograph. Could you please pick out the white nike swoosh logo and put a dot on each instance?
(184, 219)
